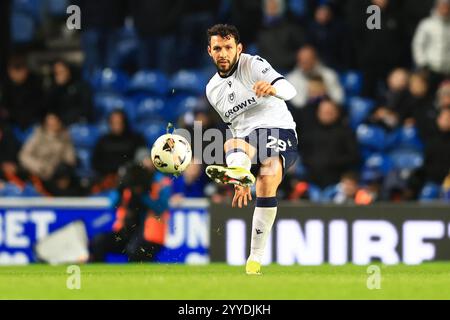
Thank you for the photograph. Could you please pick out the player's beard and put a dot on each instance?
(223, 71)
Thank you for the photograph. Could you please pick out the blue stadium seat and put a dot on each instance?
(152, 130)
(150, 108)
(181, 104)
(315, 193)
(23, 27)
(22, 135)
(352, 83)
(189, 81)
(109, 80)
(105, 103)
(10, 190)
(148, 81)
(329, 193)
(30, 191)
(84, 135)
(406, 159)
(378, 162)
(359, 109)
(409, 138)
(431, 191)
(84, 168)
(57, 8)
(125, 47)
(371, 136)
(33, 8)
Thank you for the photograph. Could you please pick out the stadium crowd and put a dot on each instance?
(372, 110)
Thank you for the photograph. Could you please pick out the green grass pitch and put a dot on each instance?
(222, 282)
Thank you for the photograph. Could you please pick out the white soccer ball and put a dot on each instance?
(171, 153)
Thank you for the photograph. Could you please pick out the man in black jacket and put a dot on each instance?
(22, 95)
(115, 149)
(69, 98)
(328, 146)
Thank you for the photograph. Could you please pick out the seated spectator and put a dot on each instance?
(397, 91)
(384, 117)
(22, 100)
(430, 41)
(65, 183)
(48, 147)
(437, 149)
(419, 102)
(191, 184)
(69, 98)
(278, 39)
(349, 192)
(115, 149)
(426, 118)
(329, 147)
(443, 95)
(307, 65)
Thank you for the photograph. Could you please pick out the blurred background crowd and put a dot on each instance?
(372, 110)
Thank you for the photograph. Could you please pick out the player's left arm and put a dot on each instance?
(268, 82)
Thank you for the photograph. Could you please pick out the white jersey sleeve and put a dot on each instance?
(261, 70)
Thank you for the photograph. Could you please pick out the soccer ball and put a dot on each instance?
(171, 153)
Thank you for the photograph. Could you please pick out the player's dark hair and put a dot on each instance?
(224, 31)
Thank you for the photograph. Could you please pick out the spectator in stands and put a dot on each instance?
(48, 147)
(384, 117)
(115, 149)
(101, 20)
(426, 117)
(22, 100)
(279, 39)
(156, 24)
(65, 183)
(431, 43)
(327, 35)
(437, 149)
(141, 216)
(191, 184)
(69, 98)
(394, 98)
(443, 95)
(381, 50)
(308, 65)
(419, 103)
(349, 192)
(9, 148)
(329, 146)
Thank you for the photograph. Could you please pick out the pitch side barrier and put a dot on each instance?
(199, 232)
(25, 221)
(311, 234)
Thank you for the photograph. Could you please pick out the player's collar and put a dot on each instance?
(231, 71)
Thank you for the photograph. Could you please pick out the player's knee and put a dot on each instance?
(267, 186)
